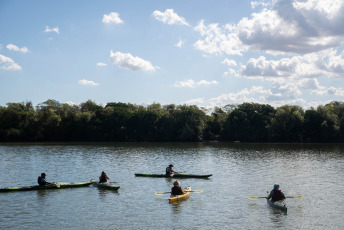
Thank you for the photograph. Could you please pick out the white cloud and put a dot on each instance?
(16, 48)
(101, 64)
(127, 61)
(169, 17)
(206, 83)
(71, 103)
(256, 94)
(48, 29)
(314, 65)
(255, 4)
(191, 83)
(331, 91)
(218, 40)
(112, 17)
(7, 63)
(180, 43)
(196, 101)
(289, 27)
(229, 62)
(231, 72)
(86, 82)
(310, 83)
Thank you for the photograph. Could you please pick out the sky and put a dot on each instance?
(195, 52)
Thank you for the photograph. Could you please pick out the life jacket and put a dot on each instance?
(168, 170)
(278, 195)
(40, 181)
(103, 179)
(176, 190)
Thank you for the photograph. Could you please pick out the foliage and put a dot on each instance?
(247, 122)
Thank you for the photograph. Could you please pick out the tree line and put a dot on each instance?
(247, 122)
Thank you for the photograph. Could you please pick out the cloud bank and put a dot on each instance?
(288, 27)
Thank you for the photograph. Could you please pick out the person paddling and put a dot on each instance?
(176, 189)
(276, 194)
(42, 181)
(103, 177)
(169, 170)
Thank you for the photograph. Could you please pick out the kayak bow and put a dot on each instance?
(29, 188)
(57, 185)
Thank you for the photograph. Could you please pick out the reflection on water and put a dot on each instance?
(239, 170)
(177, 206)
(103, 192)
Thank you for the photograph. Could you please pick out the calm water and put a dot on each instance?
(239, 171)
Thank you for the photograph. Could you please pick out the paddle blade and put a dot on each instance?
(296, 196)
(161, 193)
(114, 182)
(255, 197)
(196, 191)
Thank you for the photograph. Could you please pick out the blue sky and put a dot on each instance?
(204, 53)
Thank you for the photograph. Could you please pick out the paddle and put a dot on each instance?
(259, 197)
(114, 182)
(196, 191)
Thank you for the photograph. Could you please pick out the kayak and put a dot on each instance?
(278, 204)
(176, 175)
(29, 188)
(105, 185)
(180, 197)
(57, 185)
(73, 184)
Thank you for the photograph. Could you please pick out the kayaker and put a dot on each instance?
(276, 194)
(176, 189)
(103, 177)
(169, 170)
(42, 181)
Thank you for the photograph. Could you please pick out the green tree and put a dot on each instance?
(287, 124)
(215, 123)
(17, 121)
(190, 123)
(248, 122)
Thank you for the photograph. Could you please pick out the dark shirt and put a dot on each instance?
(42, 181)
(103, 179)
(169, 171)
(177, 190)
(276, 195)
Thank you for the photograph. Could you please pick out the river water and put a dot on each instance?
(239, 170)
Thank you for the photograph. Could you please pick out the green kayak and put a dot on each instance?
(278, 204)
(176, 175)
(29, 188)
(105, 185)
(73, 184)
(57, 185)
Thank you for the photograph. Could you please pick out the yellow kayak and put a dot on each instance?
(180, 197)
